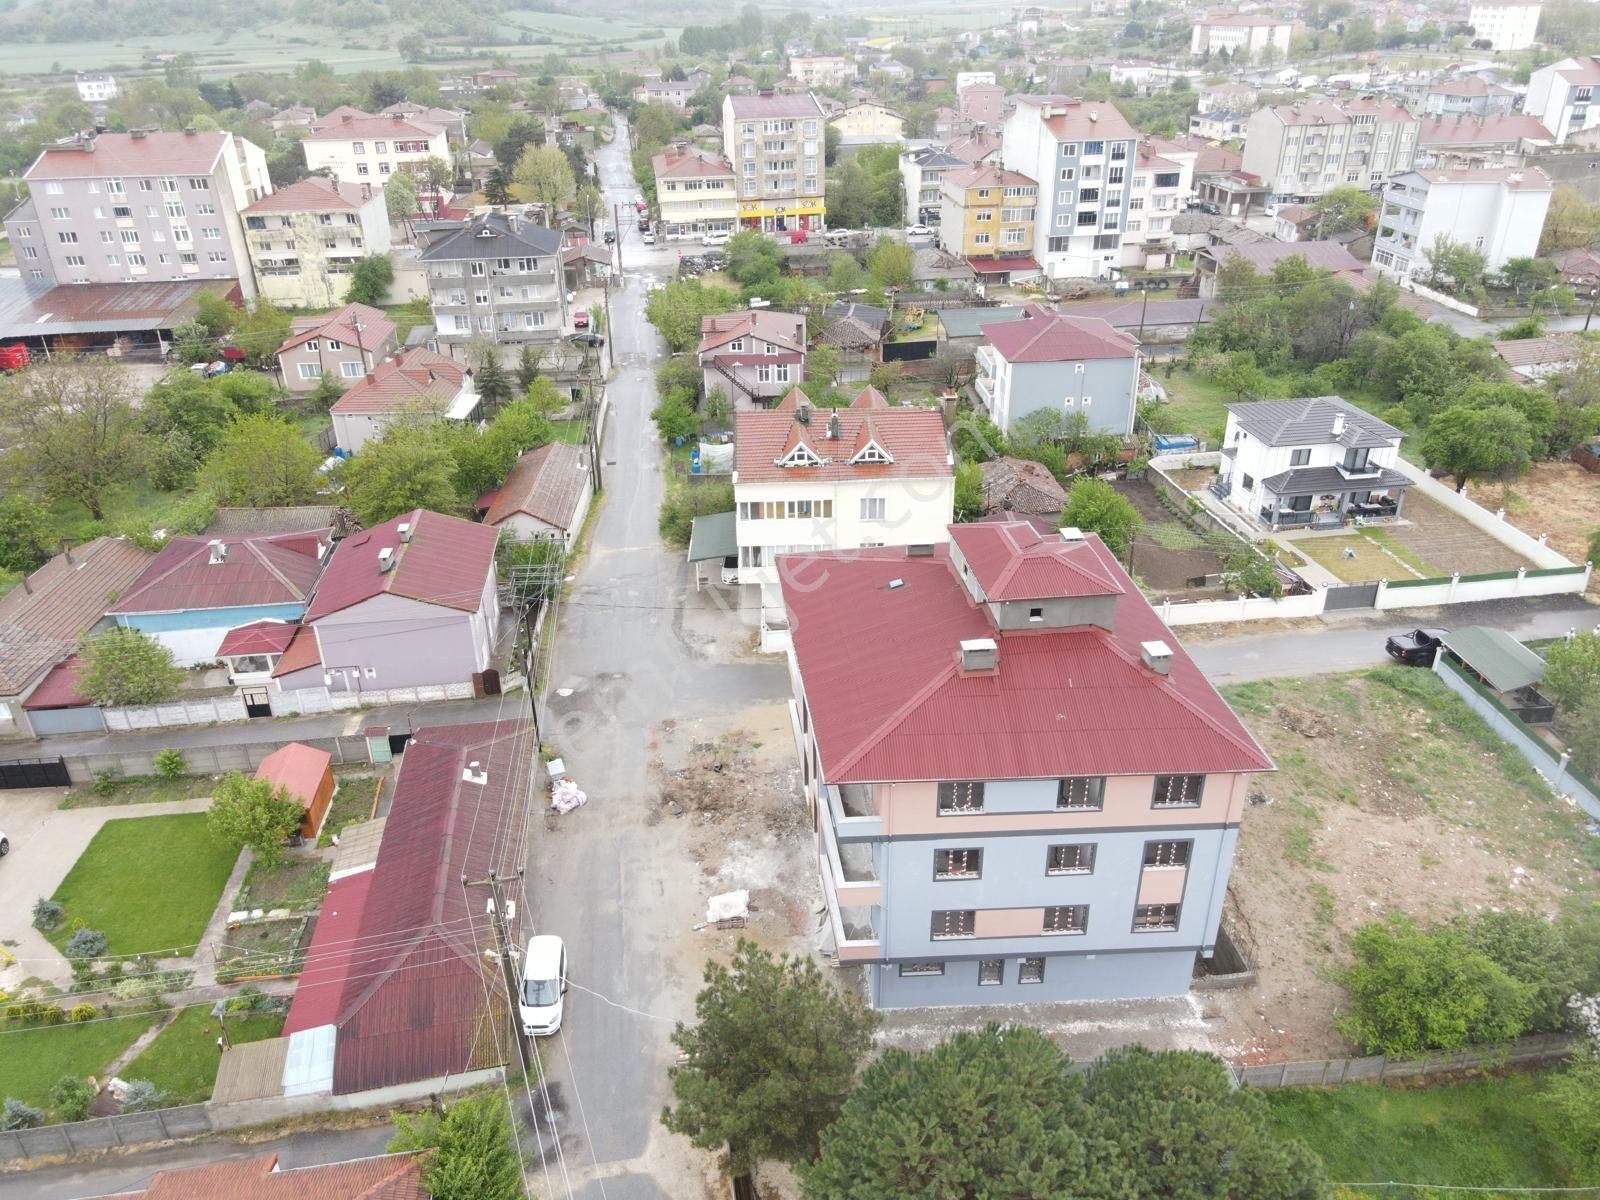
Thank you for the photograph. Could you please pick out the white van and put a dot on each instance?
(544, 985)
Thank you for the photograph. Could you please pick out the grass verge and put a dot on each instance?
(1375, 554)
(142, 789)
(352, 804)
(34, 1059)
(182, 1061)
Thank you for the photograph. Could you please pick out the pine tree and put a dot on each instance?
(528, 366)
(493, 382)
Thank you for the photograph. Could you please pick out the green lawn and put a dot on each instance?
(133, 503)
(352, 804)
(182, 1061)
(1479, 1134)
(147, 883)
(1377, 556)
(1195, 405)
(32, 1059)
(572, 431)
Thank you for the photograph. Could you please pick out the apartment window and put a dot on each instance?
(188, 259)
(136, 260)
(107, 236)
(216, 256)
(1167, 854)
(169, 184)
(1152, 918)
(1178, 791)
(533, 320)
(379, 148)
(75, 260)
(363, 169)
(68, 237)
(175, 209)
(147, 185)
(960, 797)
(310, 370)
(1299, 458)
(1069, 149)
(1068, 173)
(164, 259)
(383, 168)
(358, 147)
(314, 346)
(981, 239)
(991, 971)
(1249, 483)
(479, 269)
(211, 234)
(199, 185)
(1067, 918)
(350, 370)
(122, 212)
(874, 508)
(205, 209)
(958, 864)
(30, 252)
(1089, 196)
(53, 188)
(1058, 245)
(1075, 858)
(24, 231)
(909, 969)
(1092, 148)
(1085, 792)
(114, 186)
(1115, 175)
(1030, 970)
(61, 214)
(1087, 219)
(180, 233)
(954, 923)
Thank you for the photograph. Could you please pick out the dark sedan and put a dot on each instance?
(1417, 648)
(586, 339)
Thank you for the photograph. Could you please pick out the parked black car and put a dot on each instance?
(586, 339)
(1417, 648)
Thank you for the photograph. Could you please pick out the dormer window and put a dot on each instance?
(801, 456)
(872, 453)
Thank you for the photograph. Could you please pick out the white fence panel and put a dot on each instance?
(1257, 608)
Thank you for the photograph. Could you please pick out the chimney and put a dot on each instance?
(802, 414)
(385, 560)
(1157, 656)
(1338, 424)
(920, 550)
(980, 654)
(405, 531)
(833, 427)
(219, 551)
(345, 117)
(66, 549)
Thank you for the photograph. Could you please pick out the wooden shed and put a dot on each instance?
(306, 773)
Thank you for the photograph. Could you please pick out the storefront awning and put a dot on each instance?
(995, 266)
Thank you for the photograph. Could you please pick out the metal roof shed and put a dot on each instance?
(1496, 657)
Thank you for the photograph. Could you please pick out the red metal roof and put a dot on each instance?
(330, 959)
(59, 689)
(385, 1177)
(258, 637)
(362, 128)
(303, 652)
(880, 668)
(913, 437)
(446, 562)
(418, 380)
(1016, 562)
(1044, 335)
(119, 154)
(314, 194)
(297, 768)
(263, 568)
(990, 266)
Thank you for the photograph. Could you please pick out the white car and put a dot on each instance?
(716, 237)
(838, 237)
(544, 985)
(5, 844)
(918, 231)
(648, 237)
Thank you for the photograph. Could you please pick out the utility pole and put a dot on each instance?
(1144, 303)
(1594, 300)
(504, 948)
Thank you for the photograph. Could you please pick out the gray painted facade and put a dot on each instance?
(1066, 977)
(391, 641)
(496, 277)
(1104, 391)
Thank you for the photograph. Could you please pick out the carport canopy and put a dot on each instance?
(712, 538)
(1505, 663)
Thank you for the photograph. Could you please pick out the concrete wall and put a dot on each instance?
(211, 760)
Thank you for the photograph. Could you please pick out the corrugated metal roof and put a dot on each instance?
(303, 652)
(341, 325)
(33, 309)
(880, 668)
(713, 537)
(969, 322)
(263, 568)
(446, 562)
(59, 688)
(258, 637)
(314, 194)
(119, 154)
(298, 768)
(493, 235)
(385, 1177)
(1497, 656)
(545, 484)
(418, 381)
(1015, 562)
(1043, 335)
(329, 959)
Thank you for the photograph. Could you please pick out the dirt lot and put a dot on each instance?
(1558, 498)
(1167, 554)
(1390, 795)
(1438, 536)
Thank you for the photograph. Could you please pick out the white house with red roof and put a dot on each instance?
(1022, 788)
(409, 603)
(356, 147)
(346, 343)
(1045, 360)
(305, 239)
(752, 357)
(695, 191)
(417, 385)
(837, 479)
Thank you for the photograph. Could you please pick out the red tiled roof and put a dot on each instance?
(297, 768)
(986, 175)
(446, 562)
(1013, 262)
(1083, 120)
(1043, 335)
(315, 193)
(1477, 131)
(974, 147)
(59, 689)
(303, 652)
(545, 484)
(118, 154)
(340, 325)
(262, 568)
(913, 437)
(41, 622)
(417, 379)
(888, 701)
(802, 105)
(364, 128)
(386, 1177)
(1016, 563)
(690, 163)
(258, 637)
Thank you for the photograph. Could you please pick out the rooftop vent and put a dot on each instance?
(385, 560)
(1157, 656)
(1071, 533)
(833, 427)
(1338, 424)
(896, 584)
(980, 654)
(802, 414)
(219, 551)
(475, 772)
(405, 531)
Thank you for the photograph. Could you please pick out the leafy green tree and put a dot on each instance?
(1478, 443)
(473, 1149)
(1094, 505)
(214, 314)
(1454, 266)
(124, 666)
(71, 1097)
(497, 188)
(1572, 670)
(250, 391)
(529, 359)
(754, 259)
(679, 374)
(483, 460)
(246, 811)
(546, 173)
(1180, 1128)
(326, 394)
(1239, 374)
(371, 278)
(969, 491)
(400, 201)
(1569, 1107)
(260, 332)
(683, 504)
(675, 416)
(1524, 275)
(984, 1114)
(493, 382)
(1533, 951)
(262, 461)
(676, 310)
(891, 264)
(24, 533)
(1413, 990)
(410, 467)
(769, 1063)
(1249, 572)
(191, 405)
(1344, 208)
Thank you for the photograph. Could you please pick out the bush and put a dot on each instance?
(1534, 952)
(140, 1096)
(52, 1014)
(17, 1115)
(47, 915)
(85, 944)
(72, 1097)
(1572, 1116)
(171, 764)
(1572, 670)
(683, 504)
(105, 783)
(82, 1012)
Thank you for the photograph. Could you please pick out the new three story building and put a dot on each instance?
(695, 192)
(1303, 151)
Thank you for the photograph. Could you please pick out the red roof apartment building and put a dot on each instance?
(1022, 788)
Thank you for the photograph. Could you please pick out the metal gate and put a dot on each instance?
(257, 702)
(1353, 595)
(34, 773)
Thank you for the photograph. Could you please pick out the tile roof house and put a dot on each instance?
(1316, 461)
(1535, 358)
(386, 1177)
(347, 344)
(408, 603)
(1047, 360)
(1021, 487)
(396, 991)
(199, 588)
(43, 618)
(752, 357)
(1012, 699)
(356, 147)
(416, 385)
(545, 497)
(1263, 256)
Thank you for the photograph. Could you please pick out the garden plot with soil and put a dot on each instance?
(1390, 796)
(1167, 553)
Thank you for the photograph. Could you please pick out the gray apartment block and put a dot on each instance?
(496, 276)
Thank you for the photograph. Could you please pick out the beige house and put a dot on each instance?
(866, 122)
(356, 148)
(305, 240)
(821, 70)
(346, 344)
(1303, 151)
(695, 192)
(752, 357)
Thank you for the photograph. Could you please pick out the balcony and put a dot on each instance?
(854, 933)
(854, 816)
(854, 878)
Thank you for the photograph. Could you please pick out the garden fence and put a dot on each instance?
(210, 760)
(1378, 1068)
(105, 1133)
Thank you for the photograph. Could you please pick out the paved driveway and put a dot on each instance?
(45, 842)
